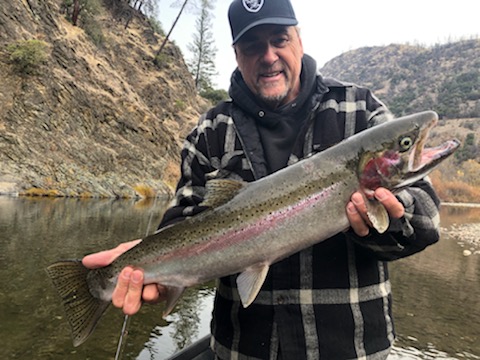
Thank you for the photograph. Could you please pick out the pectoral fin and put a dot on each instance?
(173, 294)
(378, 215)
(250, 281)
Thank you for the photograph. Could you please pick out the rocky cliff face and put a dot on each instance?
(92, 120)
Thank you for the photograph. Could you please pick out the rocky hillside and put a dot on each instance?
(444, 78)
(95, 116)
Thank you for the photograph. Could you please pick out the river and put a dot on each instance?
(436, 293)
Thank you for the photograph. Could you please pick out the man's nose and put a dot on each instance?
(269, 55)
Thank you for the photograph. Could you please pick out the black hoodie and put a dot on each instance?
(278, 128)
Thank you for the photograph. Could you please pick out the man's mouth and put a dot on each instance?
(271, 74)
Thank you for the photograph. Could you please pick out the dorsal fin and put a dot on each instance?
(220, 191)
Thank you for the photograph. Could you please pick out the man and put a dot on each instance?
(282, 110)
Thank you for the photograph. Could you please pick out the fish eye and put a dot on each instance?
(405, 143)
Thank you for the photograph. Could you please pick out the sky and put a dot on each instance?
(329, 29)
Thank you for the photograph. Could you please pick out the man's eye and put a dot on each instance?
(280, 42)
(252, 48)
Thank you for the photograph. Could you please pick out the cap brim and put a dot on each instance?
(265, 21)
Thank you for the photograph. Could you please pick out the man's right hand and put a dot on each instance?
(130, 291)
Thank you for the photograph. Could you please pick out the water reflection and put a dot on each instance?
(36, 232)
(189, 322)
(435, 293)
(436, 296)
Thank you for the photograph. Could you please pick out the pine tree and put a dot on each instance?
(202, 64)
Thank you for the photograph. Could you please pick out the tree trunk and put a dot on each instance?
(171, 29)
(76, 11)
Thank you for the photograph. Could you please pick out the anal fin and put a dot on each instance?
(250, 281)
(173, 294)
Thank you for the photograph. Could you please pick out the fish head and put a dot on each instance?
(396, 154)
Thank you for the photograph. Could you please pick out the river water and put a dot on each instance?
(436, 293)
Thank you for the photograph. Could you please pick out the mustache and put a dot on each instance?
(268, 69)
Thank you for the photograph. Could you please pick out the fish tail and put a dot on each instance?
(83, 310)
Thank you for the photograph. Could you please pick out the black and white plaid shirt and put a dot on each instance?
(330, 301)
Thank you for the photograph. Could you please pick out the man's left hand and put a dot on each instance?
(357, 210)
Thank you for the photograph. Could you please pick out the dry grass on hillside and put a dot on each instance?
(458, 183)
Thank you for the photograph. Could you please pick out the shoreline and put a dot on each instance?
(472, 205)
(10, 192)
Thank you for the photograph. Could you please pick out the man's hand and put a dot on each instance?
(357, 210)
(129, 292)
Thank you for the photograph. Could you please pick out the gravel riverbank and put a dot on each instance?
(467, 236)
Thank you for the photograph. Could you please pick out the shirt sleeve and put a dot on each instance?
(191, 186)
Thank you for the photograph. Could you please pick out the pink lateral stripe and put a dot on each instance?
(235, 236)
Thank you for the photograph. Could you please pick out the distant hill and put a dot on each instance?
(408, 78)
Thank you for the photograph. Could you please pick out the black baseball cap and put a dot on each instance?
(246, 14)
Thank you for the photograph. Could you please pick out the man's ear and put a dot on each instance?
(236, 55)
(299, 39)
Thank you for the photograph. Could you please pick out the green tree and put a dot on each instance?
(469, 149)
(74, 8)
(83, 13)
(202, 64)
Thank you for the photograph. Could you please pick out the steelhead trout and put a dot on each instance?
(249, 226)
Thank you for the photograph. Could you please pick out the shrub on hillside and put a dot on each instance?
(27, 55)
(214, 95)
(469, 150)
(456, 191)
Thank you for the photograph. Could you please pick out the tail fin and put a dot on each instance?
(82, 309)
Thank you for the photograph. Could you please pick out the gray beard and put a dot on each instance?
(273, 101)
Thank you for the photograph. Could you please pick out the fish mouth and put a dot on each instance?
(423, 159)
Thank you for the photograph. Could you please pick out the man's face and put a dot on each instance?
(270, 60)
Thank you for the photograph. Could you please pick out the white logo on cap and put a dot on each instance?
(253, 5)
